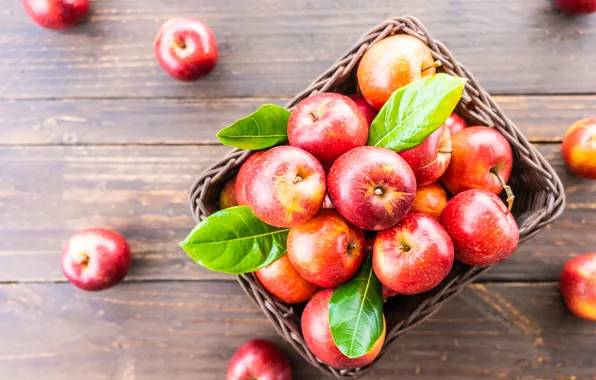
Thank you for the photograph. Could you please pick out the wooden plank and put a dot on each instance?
(273, 51)
(159, 121)
(47, 193)
(191, 330)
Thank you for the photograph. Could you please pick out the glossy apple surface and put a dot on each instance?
(430, 200)
(326, 250)
(227, 197)
(57, 14)
(281, 279)
(286, 186)
(390, 64)
(483, 231)
(578, 286)
(372, 187)
(479, 153)
(414, 256)
(186, 48)
(367, 110)
(259, 359)
(579, 148)
(576, 7)
(327, 125)
(317, 335)
(96, 259)
(242, 178)
(430, 159)
(455, 123)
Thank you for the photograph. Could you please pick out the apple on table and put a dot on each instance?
(57, 14)
(186, 48)
(259, 359)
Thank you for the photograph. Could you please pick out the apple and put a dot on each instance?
(96, 259)
(372, 187)
(368, 112)
(576, 6)
(429, 159)
(285, 186)
(455, 123)
(327, 125)
(186, 48)
(281, 279)
(578, 286)
(317, 335)
(430, 200)
(242, 178)
(57, 14)
(414, 256)
(326, 250)
(480, 156)
(481, 227)
(579, 148)
(390, 64)
(259, 359)
(227, 197)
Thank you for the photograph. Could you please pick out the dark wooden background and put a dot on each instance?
(94, 133)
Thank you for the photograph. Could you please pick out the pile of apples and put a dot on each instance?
(343, 200)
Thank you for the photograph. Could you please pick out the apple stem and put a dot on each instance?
(436, 63)
(508, 191)
(378, 191)
(82, 259)
(297, 179)
(314, 117)
(351, 246)
(446, 151)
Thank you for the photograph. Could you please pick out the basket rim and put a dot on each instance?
(477, 98)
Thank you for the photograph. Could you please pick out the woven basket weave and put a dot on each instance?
(539, 193)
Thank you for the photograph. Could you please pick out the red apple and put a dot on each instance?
(390, 64)
(482, 229)
(317, 335)
(57, 14)
(326, 250)
(281, 279)
(259, 359)
(430, 200)
(286, 186)
(227, 197)
(372, 187)
(368, 112)
(430, 159)
(414, 256)
(327, 125)
(479, 155)
(455, 123)
(578, 286)
(579, 148)
(242, 178)
(96, 259)
(576, 6)
(186, 48)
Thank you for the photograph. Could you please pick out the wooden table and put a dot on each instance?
(94, 133)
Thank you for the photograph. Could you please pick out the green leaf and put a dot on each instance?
(264, 128)
(235, 241)
(356, 312)
(415, 111)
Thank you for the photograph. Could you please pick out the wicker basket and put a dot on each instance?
(539, 193)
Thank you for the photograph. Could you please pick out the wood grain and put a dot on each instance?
(48, 193)
(190, 331)
(159, 121)
(269, 50)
